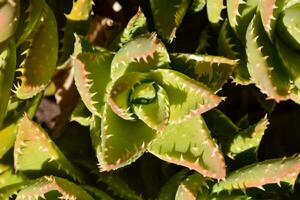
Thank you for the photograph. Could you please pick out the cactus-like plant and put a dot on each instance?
(154, 114)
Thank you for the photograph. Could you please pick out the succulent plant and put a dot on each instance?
(184, 103)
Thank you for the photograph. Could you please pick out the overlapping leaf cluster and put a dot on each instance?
(144, 102)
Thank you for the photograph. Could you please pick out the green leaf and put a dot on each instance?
(269, 13)
(240, 13)
(187, 97)
(221, 127)
(288, 26)
(29, 19)
(189, 188)
(213, 71)
(81, 115)
(264, 66)
(189, 144)
(167, 16)
(168, 190)
(214, 10)
(96, 193)
(123, 141)
(7, 70)
(36, 73)
(118, 186)
(262, 173)
(9, 13)
(81, 10)
(197, 6)
(249, 138)
(231, 47)
(92, 74)
(40, 187)
(136, 26)
(142, 54)
(36, 154)
(9, 130)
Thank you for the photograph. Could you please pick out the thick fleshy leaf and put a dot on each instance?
(81, 10)
(40, 187)
(116, 185)
(142, 54)
(288, 26)
(221, 127)
(290, 60)
(11, 190)
(123, 141)
(187, 97)
(81, 115)
(189, 188)
(7, 72)
(9, 15)
(240, 13)
(213, 71)
(92, 74)
(168, 190)
(29, 19)
(36, 73)
(264, 65)
(197, 6)
(96, 193)
(214, 9)
(8, 175)
(249, 138)
(231, 47)
(269, 13)
(33, 141)
(189, 144)
(167, 16)
(262, 173)
(9, 131)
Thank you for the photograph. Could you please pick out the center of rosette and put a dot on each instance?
(144, 93)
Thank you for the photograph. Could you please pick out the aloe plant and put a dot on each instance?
(192, 99)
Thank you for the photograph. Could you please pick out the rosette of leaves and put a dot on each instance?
(146, 105)
(269, 31)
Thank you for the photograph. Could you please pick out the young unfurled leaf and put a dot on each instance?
(168, 16)
(36, 73)
(189, 144)
(33, 142)
(262, 173)
(43, 186)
